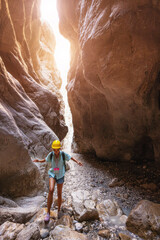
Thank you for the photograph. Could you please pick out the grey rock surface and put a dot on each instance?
(30, 232)
(18, 215)
(10, 230)
(5, 202)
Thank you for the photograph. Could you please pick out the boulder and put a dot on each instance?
(29, 201)
(65, 220)
(65, 233)
(109, 210)
(5, 202)
(21, 210)
(44, 233)
(10, 230)
(18, 215)
(83, 206)
(144, 220)
(30, 232)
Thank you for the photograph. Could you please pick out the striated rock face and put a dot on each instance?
(31, 107)
(114, 80)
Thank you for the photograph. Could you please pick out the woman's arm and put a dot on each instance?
(36, 160)
(79, 163)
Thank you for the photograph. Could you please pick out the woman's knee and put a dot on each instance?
(51, 185)
(51, 190)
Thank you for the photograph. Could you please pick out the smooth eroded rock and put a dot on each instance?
(31, 106)
(144, 220)
(113, 82)
(30, 232)
(18, 215)
(108, 210)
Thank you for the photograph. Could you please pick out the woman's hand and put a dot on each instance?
(41, 161)
(79, 163)
(35, 160)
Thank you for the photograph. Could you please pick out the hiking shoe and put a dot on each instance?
(47, 217)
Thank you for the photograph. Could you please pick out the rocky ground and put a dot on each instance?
(97, 199)
(127, 183)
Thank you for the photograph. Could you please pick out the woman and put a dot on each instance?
(56, 174)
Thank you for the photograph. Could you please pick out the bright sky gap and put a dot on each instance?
(62, 57)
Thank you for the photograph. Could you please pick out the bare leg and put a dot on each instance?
(52, 182)
(59, 193)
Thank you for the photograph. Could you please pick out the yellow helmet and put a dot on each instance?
(56, 144)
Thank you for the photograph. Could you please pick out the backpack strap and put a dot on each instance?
(63, 156)
(51, 156)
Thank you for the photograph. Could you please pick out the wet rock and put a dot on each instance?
(104, 233)
(84, 206)
(144, 220)
(65, 233)
(124, 236)
(31, 232)
(108, 209)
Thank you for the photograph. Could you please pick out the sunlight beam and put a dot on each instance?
(62, 50)
(62, 59)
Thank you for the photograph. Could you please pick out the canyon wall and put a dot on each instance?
(114, 79)
(31, 106)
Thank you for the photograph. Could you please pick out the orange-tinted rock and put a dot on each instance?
(31, 109)
(114, 80)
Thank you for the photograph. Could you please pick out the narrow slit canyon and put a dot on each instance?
(113, 90)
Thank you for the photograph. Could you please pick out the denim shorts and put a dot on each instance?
(58, 181)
